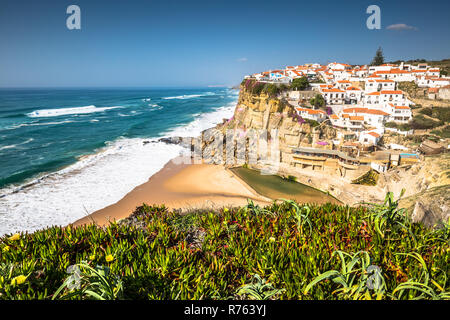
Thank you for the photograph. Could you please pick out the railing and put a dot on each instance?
(348, 166)
(317, 158)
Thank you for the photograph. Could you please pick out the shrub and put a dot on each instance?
(257, 88)
(426, 111)
(317, 101)
(390, 124)
(370, 178)
(271, 89)
(420, 122)
(205, 254)
(443, 133)
(300, 83)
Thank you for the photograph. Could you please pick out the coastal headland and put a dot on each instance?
(212, 184)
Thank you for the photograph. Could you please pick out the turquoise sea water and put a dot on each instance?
(67, 152)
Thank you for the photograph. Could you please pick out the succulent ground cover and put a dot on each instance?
(283, 251)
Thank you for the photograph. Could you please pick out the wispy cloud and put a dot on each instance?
(400, 26)
(241, 59)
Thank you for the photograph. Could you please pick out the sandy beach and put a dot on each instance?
(187, 186)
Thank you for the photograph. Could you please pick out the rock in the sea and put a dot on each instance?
(171, 140)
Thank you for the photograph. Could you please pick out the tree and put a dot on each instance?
(300, 83)
(379, 58)
(317, 101)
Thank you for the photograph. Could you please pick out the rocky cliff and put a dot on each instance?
(262, 112)
(426, 183)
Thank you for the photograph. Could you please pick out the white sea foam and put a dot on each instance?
(190, 96)
(67, 111)
(31, 124)
(90, 184)
(95, 181)
(8, 147)
(155, 106)
(16, 145)
(203, 122)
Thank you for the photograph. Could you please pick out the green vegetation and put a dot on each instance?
(300, 83)
(388, 216)
(317, 101)
(370, 178)
(292, 178)
(378, 59)
(420, 122)
(282, 251)
(271, 89)
(317, 80)
(410, 87)
(259, 289)
(399, 126)
(312, 123)
(439, 113)
(443, 133)
(256, 88)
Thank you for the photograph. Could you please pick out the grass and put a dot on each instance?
(283, 251)
(443, 133)
(370, 178)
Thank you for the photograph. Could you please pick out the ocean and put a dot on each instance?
(65, 153)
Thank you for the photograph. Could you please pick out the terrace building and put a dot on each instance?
(333, 96)
(322, 159)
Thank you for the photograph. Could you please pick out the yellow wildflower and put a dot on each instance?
(271, 239)
(14, 237)
(5, 248)
(92, 257)
(109, 258)
(18, 280)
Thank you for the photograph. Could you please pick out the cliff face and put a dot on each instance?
(261, 112)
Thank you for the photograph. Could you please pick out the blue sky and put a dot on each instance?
(199, 43)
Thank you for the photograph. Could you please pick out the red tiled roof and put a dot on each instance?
(402, 107)
(332, 90)
(391, 92)
(311, 111)
(365, 110)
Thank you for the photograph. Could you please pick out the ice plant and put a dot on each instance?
(171, 255)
